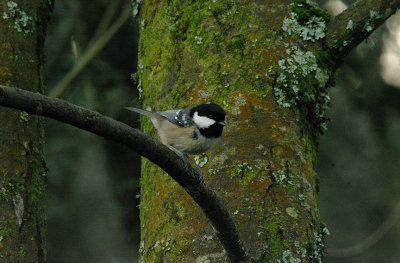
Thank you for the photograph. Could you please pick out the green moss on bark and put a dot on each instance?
(22, 170)
(192, 52)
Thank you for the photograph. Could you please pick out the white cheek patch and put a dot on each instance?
(202, 121)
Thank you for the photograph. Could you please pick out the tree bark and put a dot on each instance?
(270, 65)
(22, 166)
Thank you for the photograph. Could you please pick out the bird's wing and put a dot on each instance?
(179, 117)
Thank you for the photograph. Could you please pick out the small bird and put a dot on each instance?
(191, 130)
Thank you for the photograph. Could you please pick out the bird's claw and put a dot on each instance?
(190, 163)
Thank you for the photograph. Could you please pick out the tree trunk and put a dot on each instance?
(22, 166)
(248, 57)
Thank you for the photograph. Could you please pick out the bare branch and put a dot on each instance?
(105, 21)
(371, 240)
(89, 54)
(136, 140)
(356, 23)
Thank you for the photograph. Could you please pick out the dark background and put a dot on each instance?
(93, 185)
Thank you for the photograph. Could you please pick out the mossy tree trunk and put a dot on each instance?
(22, 167)
(269, 64)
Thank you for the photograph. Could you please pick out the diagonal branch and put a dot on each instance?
(356, 23)
(136, 140)
(93, 49)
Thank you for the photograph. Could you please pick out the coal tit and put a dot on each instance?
(191, 130)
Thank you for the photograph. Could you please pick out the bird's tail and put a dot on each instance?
(153, 115)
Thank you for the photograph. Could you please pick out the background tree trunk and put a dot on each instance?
(251, 58)
(22, 166)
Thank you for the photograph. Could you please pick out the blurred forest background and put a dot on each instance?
(93, 185)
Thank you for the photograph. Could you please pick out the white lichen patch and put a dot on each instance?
(162, 245)
(322, 76)
(279, 176)
(238, 102)
(212, 171)
(242, 168)
(326, 231)
(350, 25)
(24, 116)
(318, 245)
(311, 2)
(136, 80)
(141, 247)
(299, 63)
(210, 257)
(368, 27)
(287, 257)
(313, 30)
(204, 93)
(208, 237)
(135, 7)
(219, 160)
(201, 160)
(373, 17)
(142, 23)
(19, 208)
(260, 147)
(19, 18)
(291, 211)
(198, 39)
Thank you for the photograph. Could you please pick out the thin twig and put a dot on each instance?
(92, 51)
(105, 21)
(136, 140)
(368, 242)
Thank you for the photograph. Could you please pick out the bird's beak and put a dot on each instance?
(222, 123)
